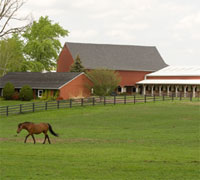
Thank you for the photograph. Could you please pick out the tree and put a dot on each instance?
(8, 91)
(104, 81)
(42, 44)
(26, 93)
(8, 15)
(11, 56)
(77, 65)
(33, 66)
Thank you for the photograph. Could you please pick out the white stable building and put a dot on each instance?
(172, 80)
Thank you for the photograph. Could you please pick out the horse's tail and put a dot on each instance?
(51, 131)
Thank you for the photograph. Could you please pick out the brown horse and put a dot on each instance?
(36, 129)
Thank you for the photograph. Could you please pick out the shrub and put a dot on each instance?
(56, 94)
(15, 96)
(59, 98)
(48, 95)
(44, 95)
(104, 81)
(26, 93)
(8, 91)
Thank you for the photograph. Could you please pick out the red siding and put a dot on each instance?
(65, 60)
(76, 88)
(129, 78)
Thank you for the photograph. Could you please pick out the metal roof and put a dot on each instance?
(177, 71)
(117, 57)
(38, 80)
(171, 81)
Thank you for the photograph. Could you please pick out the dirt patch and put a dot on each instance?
(17, 139)
(4, 139)
(68, 140)
(90, 140)
(192, 103)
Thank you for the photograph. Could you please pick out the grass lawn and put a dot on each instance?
(15, 102)
(152, 141)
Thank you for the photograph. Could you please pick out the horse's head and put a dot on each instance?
(20, 127)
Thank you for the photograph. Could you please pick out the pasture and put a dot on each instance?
(141, 142)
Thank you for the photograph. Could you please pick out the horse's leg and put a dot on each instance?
(45, 138)
(26, 138)
(33, 138)
(48, 139)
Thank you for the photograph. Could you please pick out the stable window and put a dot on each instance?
(40, 92)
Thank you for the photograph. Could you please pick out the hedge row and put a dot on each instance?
(9, 93)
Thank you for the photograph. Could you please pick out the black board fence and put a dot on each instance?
(92, 101)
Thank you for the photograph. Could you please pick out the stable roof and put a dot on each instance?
(177, 71)
(170, 81)
(117, 57)
(38, 80)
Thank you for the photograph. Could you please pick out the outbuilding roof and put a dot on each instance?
(117, 57)
(177, 71)
(170, 81)
(38, 80)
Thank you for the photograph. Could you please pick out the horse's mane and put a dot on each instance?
(24, 123)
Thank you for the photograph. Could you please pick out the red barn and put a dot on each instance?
(131, 62)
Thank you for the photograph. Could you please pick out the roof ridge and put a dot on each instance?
(109, 44)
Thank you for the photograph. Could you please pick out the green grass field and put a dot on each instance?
(152, 141)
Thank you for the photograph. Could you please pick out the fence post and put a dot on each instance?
(145, 98)
(191, 97)
(134, 99)
(163, 97)
(124, 99)
(104, 101)
(93, 101)
(33, 107)
(172, 96)
(70, 103)
(46, 104)
(81, 101)
(20, 108)
(58, 104)
(180, 96)
(154, 98)
(7, 111)
(114, 99)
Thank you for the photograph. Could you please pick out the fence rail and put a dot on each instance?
(92, 101)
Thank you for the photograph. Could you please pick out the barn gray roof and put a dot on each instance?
(117, 57)
(37, 80)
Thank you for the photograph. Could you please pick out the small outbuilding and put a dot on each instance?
(66, 84)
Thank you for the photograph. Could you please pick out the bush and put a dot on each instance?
(104, 81)
(47, 95)
(15, 96)
(44, 95)
(26, 93)
(59, 98)
(8, 91)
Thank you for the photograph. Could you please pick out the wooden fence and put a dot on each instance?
(92, 101)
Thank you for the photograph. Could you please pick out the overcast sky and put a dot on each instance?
(173, 26)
